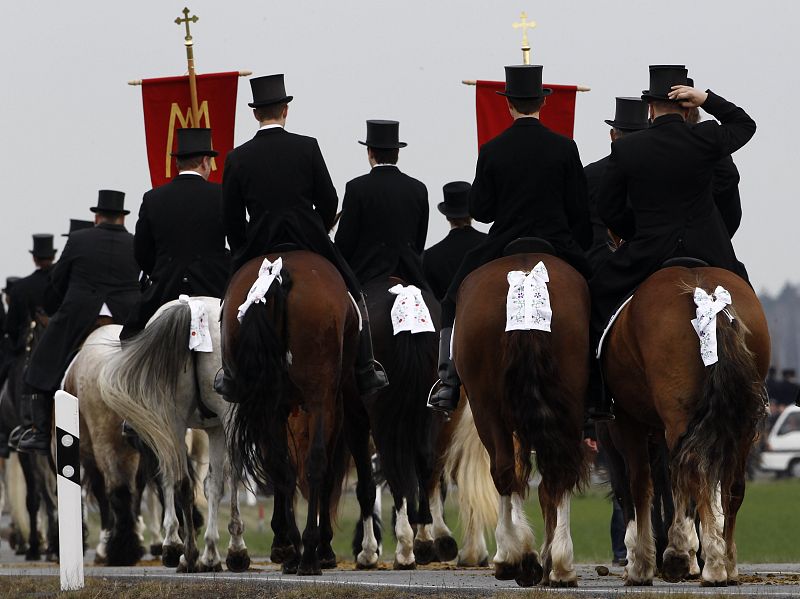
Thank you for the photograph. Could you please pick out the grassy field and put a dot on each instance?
(767, 529)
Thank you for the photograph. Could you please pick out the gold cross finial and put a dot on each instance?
(524, 24)
(187, 19)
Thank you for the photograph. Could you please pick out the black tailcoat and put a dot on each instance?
(657, 194)
(383, 226)
(441, 261)
(97, 266)
(599, 250)
(529, 181)
(279, 180)
(27, 296)
(180, 243)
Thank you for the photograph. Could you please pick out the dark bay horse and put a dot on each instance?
(526, 391)
(294, 351)
(710, 415)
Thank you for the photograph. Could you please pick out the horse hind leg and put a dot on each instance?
(516, 559)
(732, 502)
(238, 559)
(213, 486)
(711, 536)
(562, 558)
(444, 543)
(188, 561)
(639, 538)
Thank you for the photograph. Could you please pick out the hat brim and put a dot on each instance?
(451, 213)
(95, 209)
(546, 91)
(397, 146)
(40, 255)
(646, 95)
(285, 99)
(626, 126)
(211, 153)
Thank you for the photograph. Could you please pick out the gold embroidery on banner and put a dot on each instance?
(185, 120)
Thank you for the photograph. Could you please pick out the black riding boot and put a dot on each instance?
(25, 421)
(37, 438)
(225, 385)
(446, 392)
(370, 374)
(598, 403)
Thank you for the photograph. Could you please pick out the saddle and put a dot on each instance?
(685, 262)
(283, 248)
(529, 245)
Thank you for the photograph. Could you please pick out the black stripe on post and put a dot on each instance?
(68, 456)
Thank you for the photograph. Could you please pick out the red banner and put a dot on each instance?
(558, 112)
(167, 108)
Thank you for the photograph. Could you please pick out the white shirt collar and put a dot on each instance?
(189, 173)
(377, 165)
(270, 126)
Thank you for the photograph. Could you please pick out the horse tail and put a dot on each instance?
(401, 422)
(139, 383)
(466, 463)
(260, 362)
(16, 489)
(537, 410)
(728, 415)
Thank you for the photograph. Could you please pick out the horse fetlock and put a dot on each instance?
(280, 554)
(366, 560)
(309, 564)
(446, 549)
(326, 557)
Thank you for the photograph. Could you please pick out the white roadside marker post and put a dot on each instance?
(70, 523)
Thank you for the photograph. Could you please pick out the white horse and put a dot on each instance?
(158, 385)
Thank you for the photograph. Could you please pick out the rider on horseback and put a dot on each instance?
(657, 194)
(279, 179)
(530, 182)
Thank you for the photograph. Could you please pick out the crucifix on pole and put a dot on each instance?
(189, 43)
(524, 24)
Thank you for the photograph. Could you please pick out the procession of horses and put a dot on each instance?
(296, 422)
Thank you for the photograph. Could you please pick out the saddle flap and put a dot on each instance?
(685, 262)
(529, 245)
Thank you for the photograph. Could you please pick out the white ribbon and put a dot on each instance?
(199, 332)
(267, 274)
(705, 325)
(409, 311)
(528, 301)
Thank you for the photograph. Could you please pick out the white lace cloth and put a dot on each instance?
(267, 274)
(409, 311)
(708, 306)
(528, 302)
(199, 333)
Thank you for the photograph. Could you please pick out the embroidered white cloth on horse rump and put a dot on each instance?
(705, 325)
(199, 333)
(267, 274)
(528, 302)
(409, 311)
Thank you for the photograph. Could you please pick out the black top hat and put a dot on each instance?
(43, 246)
(267, 90)
(109, 200)
(383, 135)
(77, 224)
(10, 283)
(662, 78)
(194, 142)
(456, 199)
(630, 115)
(524, 82)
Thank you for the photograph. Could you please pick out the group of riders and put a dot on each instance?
(669, 188)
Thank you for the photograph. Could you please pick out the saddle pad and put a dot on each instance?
(409, 311)
(528, 301)
(611, 324)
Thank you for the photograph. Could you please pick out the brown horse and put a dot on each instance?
(526, 391)
(294, 351)
(709, 415)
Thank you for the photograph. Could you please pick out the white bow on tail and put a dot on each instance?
(705, 325)
(267, 274)
(409, 311)
(528, 302)
(199, 333)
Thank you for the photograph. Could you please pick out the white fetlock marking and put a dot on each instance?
(369, 545)
(513, 533)
(693, 544)
(140, 528)
(561, 549)
(404, 554)
(425, 533)
(440, 528)
(630, 545)
(102, 543)
(714, 553)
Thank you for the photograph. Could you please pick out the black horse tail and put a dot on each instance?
(537, 410)
(728, 415)
(401, 424)
(258, 443)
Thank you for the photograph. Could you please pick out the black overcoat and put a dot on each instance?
(657, 194)
(599, 250)
(27, 296)
(441, 261)
(383, 226)
(96, 267)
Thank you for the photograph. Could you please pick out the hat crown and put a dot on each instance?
(268, 89)
(193, 142)
(630, 114)
(524, 81)
(109, 200)
(383, 134)
(43, 246)
(456, 199)
(662, 78)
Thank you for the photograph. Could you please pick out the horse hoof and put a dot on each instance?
(714, 583)
(155, 549)
(99, 560)
(21, 550)
(51, 557)
(530, 571)
(563, 584)
(327, 558)
(171, 556)
(238, 561)
(281, 554)
(309, 570)
(632, 582)
(400, 566)
(446, 549)
(32, 556)
(424, 552)
(290, 566)
(675, 566)
(733, 582)
(506, 571)
(209, 567)
(360, 566)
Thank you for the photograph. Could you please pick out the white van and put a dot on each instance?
(782, 452)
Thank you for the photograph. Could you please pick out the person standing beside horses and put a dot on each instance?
(657, 194)
(279, 180)
(180, 240)
(98, 281)
(441, 261)
(530, 182)
(384, 219)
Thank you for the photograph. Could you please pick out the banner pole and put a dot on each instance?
(70, 514)
(189, 43)
(139, 81)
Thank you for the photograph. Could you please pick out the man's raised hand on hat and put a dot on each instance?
(689, 97)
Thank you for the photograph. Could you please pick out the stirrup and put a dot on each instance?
(15, 435)
(444, 406)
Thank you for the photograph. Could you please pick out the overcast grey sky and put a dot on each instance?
(70, 125)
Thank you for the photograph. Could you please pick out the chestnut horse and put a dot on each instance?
(710, 415)
(294, 351)
(526, 391)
